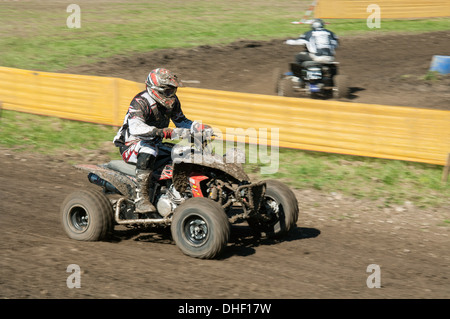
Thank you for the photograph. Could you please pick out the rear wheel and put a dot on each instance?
(276, 77)
(285, 87)
(341, 89)
(278, 213)
(200, 228)
(87, 215)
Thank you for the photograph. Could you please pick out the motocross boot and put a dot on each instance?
(142, 201)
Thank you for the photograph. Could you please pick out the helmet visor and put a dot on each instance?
(167, 91)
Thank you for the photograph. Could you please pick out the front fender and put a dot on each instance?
(230, 163)
(182, 171)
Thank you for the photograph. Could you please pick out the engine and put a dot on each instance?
(169, 199)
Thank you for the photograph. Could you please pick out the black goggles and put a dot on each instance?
(167, 91)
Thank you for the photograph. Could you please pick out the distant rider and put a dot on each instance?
(320, 44)
(146, 124)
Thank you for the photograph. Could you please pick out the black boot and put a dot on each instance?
(142, 201)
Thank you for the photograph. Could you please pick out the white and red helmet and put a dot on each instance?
(162, 86)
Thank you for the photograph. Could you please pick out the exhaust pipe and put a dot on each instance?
(97, 180)
(146, 221)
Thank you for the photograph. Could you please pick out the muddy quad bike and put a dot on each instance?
(311, 79)
(196, 198)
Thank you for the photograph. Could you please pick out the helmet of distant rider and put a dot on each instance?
(317, 24)
(162, 86)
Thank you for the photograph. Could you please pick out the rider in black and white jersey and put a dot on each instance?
(146, 124)
(320, 43)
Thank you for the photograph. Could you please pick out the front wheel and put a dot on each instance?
(87, 215)
(200, 228)
(279, 211)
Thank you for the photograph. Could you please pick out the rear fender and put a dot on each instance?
(125, 184)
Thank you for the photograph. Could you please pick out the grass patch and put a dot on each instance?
(431, 76)
(50, 135)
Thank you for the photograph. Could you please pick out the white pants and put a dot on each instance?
(135, 148)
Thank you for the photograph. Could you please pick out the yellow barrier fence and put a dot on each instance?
(389, 9)
(403, 133)
(85, 98)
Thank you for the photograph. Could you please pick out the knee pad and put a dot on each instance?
(145, 161)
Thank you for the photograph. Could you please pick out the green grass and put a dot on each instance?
(35, 35)
(49, 135)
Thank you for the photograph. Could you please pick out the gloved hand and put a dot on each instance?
(164, 132)
(199, 127)
(180, 133)
(208, 132)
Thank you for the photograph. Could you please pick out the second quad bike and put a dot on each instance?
(197, 199)
(311, 79)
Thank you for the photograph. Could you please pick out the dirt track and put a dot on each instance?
(326, 256)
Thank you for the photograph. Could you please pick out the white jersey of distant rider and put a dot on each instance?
(318, 42)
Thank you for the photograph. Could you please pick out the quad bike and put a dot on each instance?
(197, 199)
(311, 79)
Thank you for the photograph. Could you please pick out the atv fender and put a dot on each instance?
(126, 185)
(182, 170)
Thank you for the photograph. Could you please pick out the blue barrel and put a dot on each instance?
(441, 64)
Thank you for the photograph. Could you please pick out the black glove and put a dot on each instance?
(163, 132)
(180, 133)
